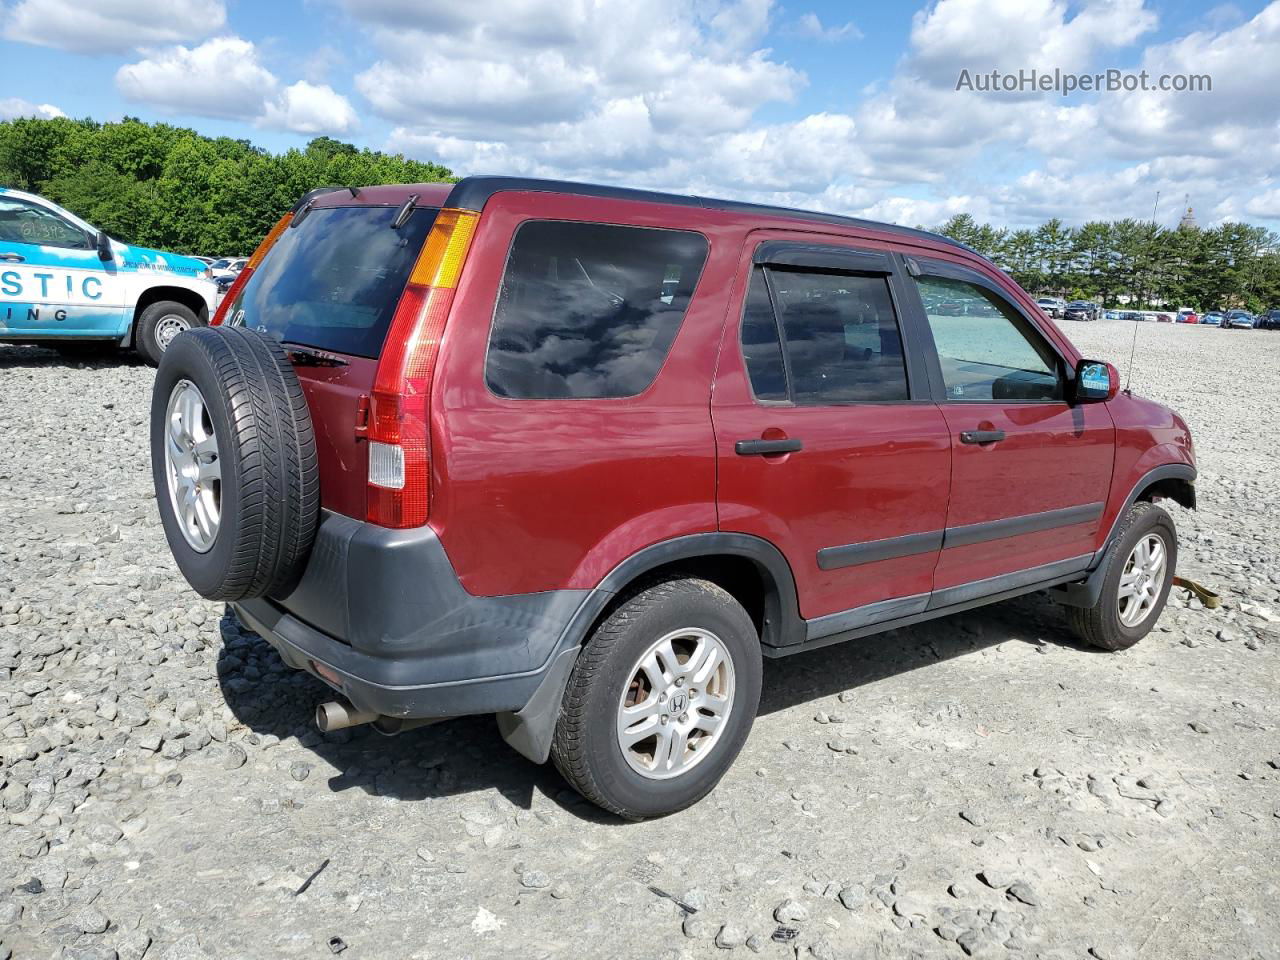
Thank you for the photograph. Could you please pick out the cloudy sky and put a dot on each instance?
(849, 107)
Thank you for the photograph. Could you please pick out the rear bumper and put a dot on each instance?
(383, 612)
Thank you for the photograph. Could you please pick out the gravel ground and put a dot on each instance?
(981, 785)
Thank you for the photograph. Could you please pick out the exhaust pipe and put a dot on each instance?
(337, 715)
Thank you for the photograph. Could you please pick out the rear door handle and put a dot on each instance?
(13, 257)
(756, 448)
(981, 436)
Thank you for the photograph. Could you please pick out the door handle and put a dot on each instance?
(13, 257)
(756, 448)
(981, 436)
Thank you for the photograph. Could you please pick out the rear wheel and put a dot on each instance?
(159, 324)
(1136, 583)
(660, 700)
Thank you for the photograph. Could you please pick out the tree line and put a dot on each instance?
(163, 186)
(1135, 262)
(158, 185)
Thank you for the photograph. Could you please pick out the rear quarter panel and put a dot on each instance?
(532, 495)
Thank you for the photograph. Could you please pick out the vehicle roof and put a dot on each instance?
(472, 193)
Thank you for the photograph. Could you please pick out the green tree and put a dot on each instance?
(163, 186)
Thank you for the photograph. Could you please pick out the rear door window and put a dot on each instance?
(841, 336)
(589, 309)
(334, 280)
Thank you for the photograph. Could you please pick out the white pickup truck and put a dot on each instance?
(66, 284)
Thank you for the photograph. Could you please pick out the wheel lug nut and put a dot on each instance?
(679, 681)
(665, 719)
(684, 718)
(662, 698)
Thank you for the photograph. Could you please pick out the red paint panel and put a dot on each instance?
(532, 495)
(1053, 456)
(333, 395)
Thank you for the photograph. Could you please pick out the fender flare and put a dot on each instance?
(1086, 592)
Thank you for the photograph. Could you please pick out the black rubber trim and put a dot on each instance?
(472, 193)
(1168, 471)
(993, 590)
(865, 615)
(782, 622)
(873, 551)
(1017, 526)
(787, 253)
(978, 589)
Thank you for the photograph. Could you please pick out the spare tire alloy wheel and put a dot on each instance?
(192, 466)
(233, 459)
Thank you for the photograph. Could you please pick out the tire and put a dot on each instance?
(159, 324)
(1103, 624)
(255, 425)
(587, 748)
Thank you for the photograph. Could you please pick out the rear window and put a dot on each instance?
(333, 281)
(589, 309)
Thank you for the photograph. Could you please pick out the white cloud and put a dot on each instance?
(520, 65)
(84, 26)
(224, 78)
(810, 25)
(310, 108)
(220, 78)
(12, 108)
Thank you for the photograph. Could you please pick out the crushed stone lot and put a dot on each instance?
(981, 785)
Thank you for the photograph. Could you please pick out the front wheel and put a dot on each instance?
(660, 700)
(1136, 583)
(159, 324)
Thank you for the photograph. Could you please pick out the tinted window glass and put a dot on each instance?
(588, 309)
(842, 338)
(760, 346)
(334, 280)
(23, 222)
(986, 348)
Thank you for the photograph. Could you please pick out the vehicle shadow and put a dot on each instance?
(31, 356)
(467, 755)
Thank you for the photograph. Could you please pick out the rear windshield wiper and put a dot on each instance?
(301, 356)
(402, 215)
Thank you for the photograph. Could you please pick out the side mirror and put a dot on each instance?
(104, 247)
(1095, 381)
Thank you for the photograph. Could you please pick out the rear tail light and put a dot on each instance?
(243, 276)
(399, 489)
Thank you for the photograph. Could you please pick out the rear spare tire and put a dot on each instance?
(233, 458)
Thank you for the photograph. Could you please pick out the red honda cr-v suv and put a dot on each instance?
(580, 457)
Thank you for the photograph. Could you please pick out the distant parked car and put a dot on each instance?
(227, 267)
(1268, 320)
(1213, 319)
(1111, 315)
(1238, 320)
(1187, 315)
(1081, 310)
(1164, 318)
(1131, 315)
(1053, 306)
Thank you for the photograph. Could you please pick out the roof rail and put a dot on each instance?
(471, 193)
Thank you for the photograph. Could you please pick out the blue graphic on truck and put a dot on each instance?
(62, 280)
